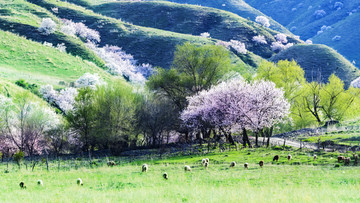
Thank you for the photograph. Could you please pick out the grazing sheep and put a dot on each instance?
(207, 160)
(289, 157)
(347, 161)
(356, 158)
(261, 163)
(145, 168)
(165, 175)
(206, 165)
(187, 168)
(39, 182)
(315, 157)
(111, 163)
(79, 182)
(246, 165)
(22, 185)
(276, 158)
(340, 158)
(203, 161)
(232, 164)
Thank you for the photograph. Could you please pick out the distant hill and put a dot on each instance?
(194, 20)
(319, 62)
(305, 18)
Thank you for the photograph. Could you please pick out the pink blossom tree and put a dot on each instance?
(236, 105)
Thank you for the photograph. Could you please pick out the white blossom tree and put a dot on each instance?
(259, 39)
(47, 26)
(263, 21)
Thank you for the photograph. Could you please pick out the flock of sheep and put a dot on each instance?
(205, 162)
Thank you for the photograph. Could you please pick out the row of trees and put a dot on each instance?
(312, 103)
(199, 98)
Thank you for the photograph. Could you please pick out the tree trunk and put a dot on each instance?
(269, 134)
(246, 138)
(256, 138)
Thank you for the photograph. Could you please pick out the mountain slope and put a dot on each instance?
(24, 18)
(306, 18)
(24, 59)
(147, 45)
(319, 62)
(194, 20)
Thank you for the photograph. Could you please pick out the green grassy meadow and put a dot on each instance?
(305, 181)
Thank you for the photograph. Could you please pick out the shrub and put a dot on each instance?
(19, 157)
(47, 26)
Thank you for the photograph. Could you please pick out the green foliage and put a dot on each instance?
(19, 157)
(194, 68)
(34, 88)
(319, 62)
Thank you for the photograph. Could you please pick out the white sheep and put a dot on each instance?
(40, 182)
(187, 168)
(232, 164)
(79, 182)
(246, 165)
(315, 157)
(145, 168)
(203, 161)
(207, 160)
(289, 157)
(206, 165)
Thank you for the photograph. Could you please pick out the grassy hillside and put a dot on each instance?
(147, 45)
(190, 19)
(24, 59)
(300, 18)
(23, 18)
(320, 61)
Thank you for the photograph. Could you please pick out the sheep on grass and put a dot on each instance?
(203, 161)
(207, 160)
(145, 168)
(232, 164)
(206, 165)
(356, 158)
(276, 158)
(347, 161)
(246, 165)
(289, 157)
(340, 158)
(315, 157)
(165, 175)
(187, 168)
(39, 182)
(261, 163)
(79, 182)
(22, 185)
(111, 163)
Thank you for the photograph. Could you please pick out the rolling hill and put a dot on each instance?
(306, 18)
(319, 62)
(194, 20)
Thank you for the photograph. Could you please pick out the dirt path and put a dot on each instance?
(296, 144)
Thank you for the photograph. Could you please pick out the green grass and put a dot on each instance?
(24, 18)
(337, 138)
(315, 59)
(24, 59)
(125, 182)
